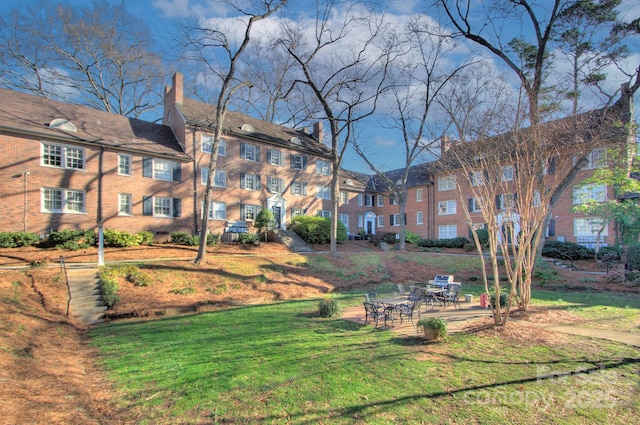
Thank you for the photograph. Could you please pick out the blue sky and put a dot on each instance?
(162, 15)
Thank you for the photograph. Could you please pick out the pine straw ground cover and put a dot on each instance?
(50, 373)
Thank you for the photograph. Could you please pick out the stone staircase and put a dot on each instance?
(292, 241)
(86, 298)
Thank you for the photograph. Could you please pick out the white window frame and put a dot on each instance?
(507, 174)
(275, 157)
(251, 182)
(360, 220)
(447, 207)
(344, 198)
(396, 220)
(162, 206)
(297, 161)
(250, 212)
(277, 182)
(297, 212)
(419, 217)
(298, 188)
(475, 207)
(446, 183)
(250, 152)
(219, 178)
(124, 164)
(65, 156)
(124, 204)
(344, 218)
(323, 191)
(597, 159)
(419, 195)
(206, 145)
(323, 167)
(162, 169)
(368, 200)
(64, 200)
(588, 226)
(380, 200)
(217, 210)
(589, 193)
(360, 199)
(380, 220)
(477, 178)
(323, 213)
(447, 231)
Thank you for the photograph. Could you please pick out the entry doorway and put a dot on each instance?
(277, 216)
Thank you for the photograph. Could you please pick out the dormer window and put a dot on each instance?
(62, 124)
(248, 128)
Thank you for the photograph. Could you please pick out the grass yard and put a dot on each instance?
(280, 363)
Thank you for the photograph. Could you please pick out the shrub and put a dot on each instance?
(146, 238)
(139, 278)
(633, 260)
(317, 230)
(71, 239)
(121, 239)
(567, 251)
(411, 237)
(213, 238)
(458, 242)
(609, 253)
(108, 286)
(483, 237)
(329, 307)
(248, 238)
(18, 239)
(183, 238)
(504, 299)
(435, 328)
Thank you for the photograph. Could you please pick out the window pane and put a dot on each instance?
(52, 155)
(124, 165)
(162, 207)
(52, 199)
(162, 169)
(75, 201)
(125, 204)
(74, 158)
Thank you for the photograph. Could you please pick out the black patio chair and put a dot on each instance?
(409, 310)
(452, 295)
(375, 311)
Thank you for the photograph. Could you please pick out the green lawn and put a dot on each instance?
(280, 363)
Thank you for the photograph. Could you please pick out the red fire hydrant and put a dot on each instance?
(484, 301)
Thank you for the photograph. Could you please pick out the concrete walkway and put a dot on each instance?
(459, 320)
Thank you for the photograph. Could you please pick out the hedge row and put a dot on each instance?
(317, 230)
(458, 242)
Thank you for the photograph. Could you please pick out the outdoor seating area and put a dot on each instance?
(409, 305)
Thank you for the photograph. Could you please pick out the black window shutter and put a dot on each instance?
(498, 202)
(147, 205)
(304, 188)
(391, 223)
(243, 152)
(405, 219)
(551, 169)
(269, 155)
(177, 171)
(258, 184)
(304, 162)
(280, 185)
(552, 227)
(257, 153)
(177, 207)
(242, 212)
(147, 164)
(470, 204)
(242, 180)
(291, 160)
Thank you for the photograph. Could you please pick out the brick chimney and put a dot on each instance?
(172, 95)
(317, 131)
(445, 144)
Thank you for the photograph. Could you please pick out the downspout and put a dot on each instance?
(99, 210)
(195, 183)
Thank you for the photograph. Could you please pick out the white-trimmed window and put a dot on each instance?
(419, 195)
(507, 173)
(474, 205)
(124, 165)
(446, 207)
(62, 156)
(161, 206)
(274, 157)
(161, 169)
(448, 231)
(298, 162)
(506, 201)
(360, 199)
(394, 220)
(275, 184)
(477, 178)
(589, 227)
(381, 200)
(393, 199)
(299, 188)
(360, 220)
(250, 181)
(589, 193)
(297, 212)
(323, 191)
(344, 218)
(249, 152)
(344, 198)
(124, 204)
(217, 210)
(380, 220)
(368, 200)
(446, 183)
(419, 217)
(536, 199)
(249, 212)
(323, 167)
(207, 145)
(597, 159)
(323, 213)
(219, 178)
(63, 201)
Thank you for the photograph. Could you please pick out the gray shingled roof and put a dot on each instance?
(22, 113)
(202, 115)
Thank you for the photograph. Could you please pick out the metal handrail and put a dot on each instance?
(63, 267)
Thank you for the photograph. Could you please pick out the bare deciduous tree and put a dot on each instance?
(99, 56)
(343, 62)
(220, 57)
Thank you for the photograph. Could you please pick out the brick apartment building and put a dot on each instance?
(67, 166)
